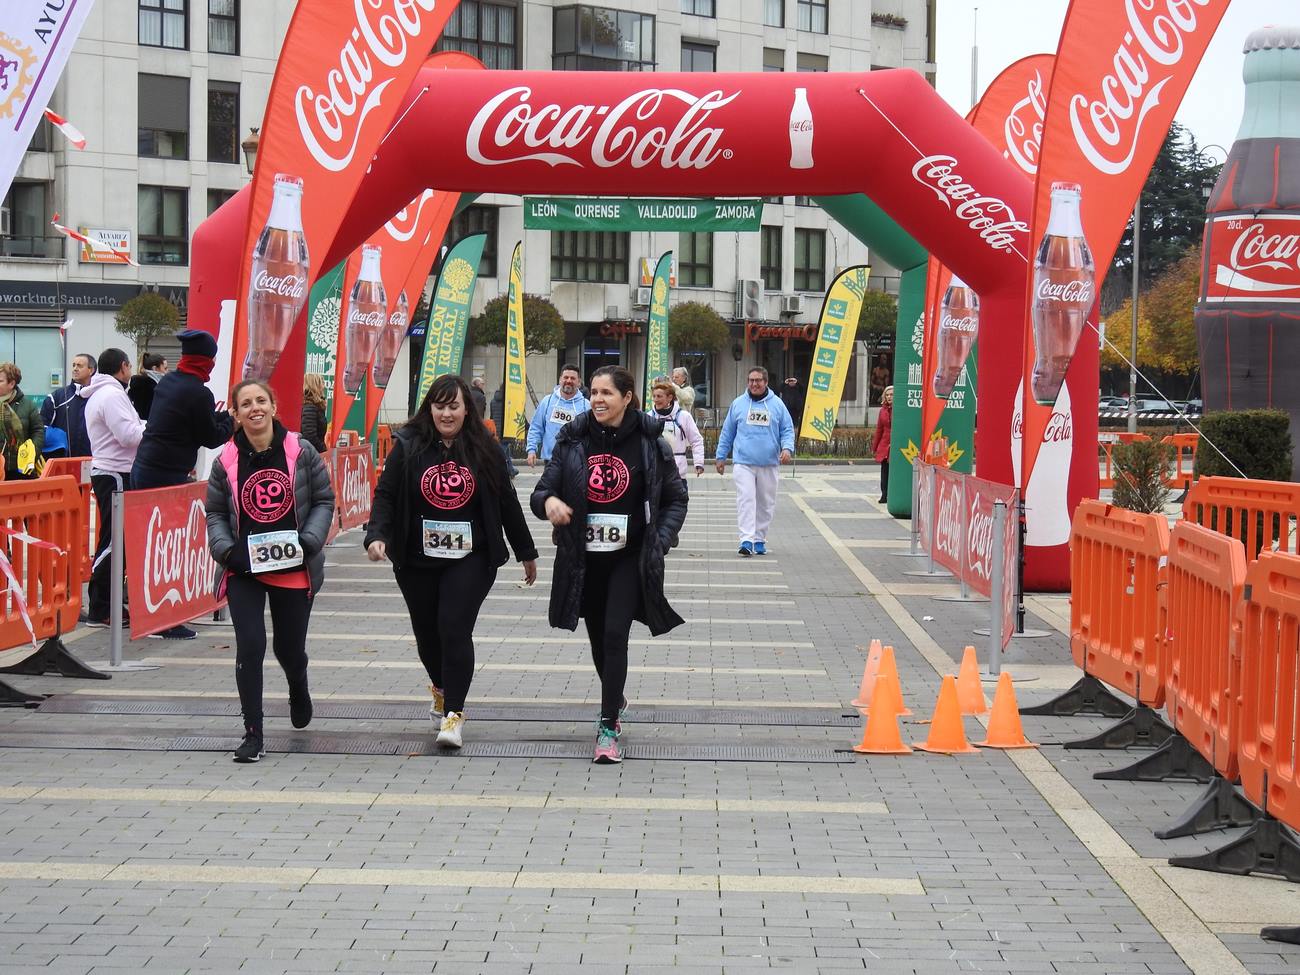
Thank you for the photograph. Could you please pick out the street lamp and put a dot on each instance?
(1208, 187)
(249, 146)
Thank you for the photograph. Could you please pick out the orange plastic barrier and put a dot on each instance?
(1117, 569)
(1206, 573)
(1106, 446)
(79, 469)
(48, 509)
(1262, 515)
(1184, 449)
(383, 445)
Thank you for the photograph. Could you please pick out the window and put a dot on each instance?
(812, 62)
(699, 365)
(695, 260)
(770, 259)
(217, 199)
(223, 26)
(589, 255)
(699, 57)
(164, 23)
(593, 39)
(223, 122)
(475, 220)
(25, 229)
(809, 260)
(164, 117)
(489, 31)
(812, 15)
(163, 225)
(701, 8)
(773, 59)
(774, 13)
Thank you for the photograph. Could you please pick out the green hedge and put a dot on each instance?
(1258, 442)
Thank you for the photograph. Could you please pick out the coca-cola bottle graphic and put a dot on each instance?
(801, 131)
(367, 309)
(1063, 292)
(1248, 318)
(1047, 509)
(959, 323)
(277, 289)
(390, 343)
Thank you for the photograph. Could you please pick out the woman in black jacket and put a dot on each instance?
(612, 491)
(312, 424)
(439, 510)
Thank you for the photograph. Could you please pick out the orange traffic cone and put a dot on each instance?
(881, 735)
(888, 675)
(947, 735)
(869, 672)
(970, 692)
(1004, 723)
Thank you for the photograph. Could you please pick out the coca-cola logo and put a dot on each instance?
(979, 538)
(1059, 429)
(1018, 426)
(947, 525)
(177, 567)
(801, 125)
(366, 319)
(967, 323)
(1075, 291)
(406, 221)
(284, 285)
(354, 492)
(1256, 248)
(939, 175)
(1108, 127)
(397, 319)
(331, 116)
(1023, 129)
(508, 127)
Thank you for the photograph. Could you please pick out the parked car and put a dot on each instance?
(1112, 403)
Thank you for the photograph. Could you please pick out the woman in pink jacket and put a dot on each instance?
(679, 427)
(880, 440)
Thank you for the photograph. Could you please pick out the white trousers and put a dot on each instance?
(755, 500)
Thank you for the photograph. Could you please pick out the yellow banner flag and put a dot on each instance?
(830, 366)
(516, 421)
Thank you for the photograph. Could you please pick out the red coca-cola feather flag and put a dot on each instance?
(1121, 71)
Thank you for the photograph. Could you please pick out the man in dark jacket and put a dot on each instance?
(183, 417)
(66, 411)
(479, 397)
(497, 413)
(793, 396)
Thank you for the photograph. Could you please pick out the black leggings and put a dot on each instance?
(290, 612)
(444, 602)
(610, 596)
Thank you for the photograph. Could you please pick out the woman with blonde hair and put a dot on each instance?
(679, 426)
(312, 426)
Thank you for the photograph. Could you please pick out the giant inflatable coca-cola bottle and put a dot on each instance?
(390, 343)
(1248, 319)
(367, 308)
(277, 288)
(959, 324)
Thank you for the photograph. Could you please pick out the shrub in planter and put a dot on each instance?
(1258, 442)
(1140, 470)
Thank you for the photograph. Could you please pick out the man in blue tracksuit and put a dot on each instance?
(555, 410)
(759, 427)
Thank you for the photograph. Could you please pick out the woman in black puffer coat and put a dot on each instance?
(612, 492)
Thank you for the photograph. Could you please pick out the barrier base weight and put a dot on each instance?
(1142, 727)
(1087, 696)
(1028, 634)
(12, 697)
(1289, 935)
(1267, 847)
(1220, 806)
(54, 658)
(962, 599)
(1175, 759)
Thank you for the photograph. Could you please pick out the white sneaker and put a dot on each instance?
(449, 733)
(437, 705)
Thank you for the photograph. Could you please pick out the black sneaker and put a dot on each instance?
(251, 749)
(300, 706)
(101, 624)
(176, 632)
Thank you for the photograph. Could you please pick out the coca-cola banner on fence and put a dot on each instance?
(352, 482)
(923, 513)
(949, 530)
(169, 573)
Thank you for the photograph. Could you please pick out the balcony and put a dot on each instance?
(45, 248)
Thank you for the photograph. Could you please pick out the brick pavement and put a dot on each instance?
(182, 861)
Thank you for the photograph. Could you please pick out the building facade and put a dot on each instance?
(167, 90)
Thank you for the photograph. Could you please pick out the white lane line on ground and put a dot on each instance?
(193, 874)
(514, 800)
(541, 619)
(1175, 921)
(318, 663)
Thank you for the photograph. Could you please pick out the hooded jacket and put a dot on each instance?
(565, 478)
(756, 443)
(182, 418)
(66, 411)
(547, 422)
(112, 424)
(681, 432)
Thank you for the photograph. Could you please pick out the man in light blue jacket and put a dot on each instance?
(759, 428)
(556, 409)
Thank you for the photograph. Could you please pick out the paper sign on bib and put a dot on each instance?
(758, 417)
(273, 551)
(448, 539)
(606, 533)
(562, 416)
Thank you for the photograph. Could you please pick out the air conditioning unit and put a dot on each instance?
(641, 299)
(792, 304)
(749, 300)
(611, 311)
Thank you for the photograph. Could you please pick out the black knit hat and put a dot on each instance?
(195, 341)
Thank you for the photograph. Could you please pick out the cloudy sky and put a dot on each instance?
(1008, 30)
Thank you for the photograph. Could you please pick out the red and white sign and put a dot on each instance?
(1254, 258)
(949, 529)
(352, 482)
(169, 573)
(924, 513)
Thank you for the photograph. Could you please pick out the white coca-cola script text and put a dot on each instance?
(284, 285)
(177, 567)
(939, 174)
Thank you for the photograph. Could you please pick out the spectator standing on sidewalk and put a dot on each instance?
(683, 389)
(141, 388)
(880, 440)
(794, 396)
(557, 408)
(759, 430)
(312, 424)
(66, 411)
(479, 397)
(497, 416)
(20, 422)
(114, 429)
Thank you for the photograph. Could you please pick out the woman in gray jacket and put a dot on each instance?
(269, 510)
